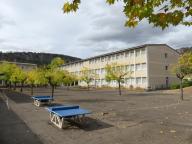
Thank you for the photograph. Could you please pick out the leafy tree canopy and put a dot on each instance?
(7, 70)
(86, 75)
(69, 78)
(56, 62)
(184, 65)
(55, 77)
(32, 77)
(161, 13)
(116, 72)
(18, 75)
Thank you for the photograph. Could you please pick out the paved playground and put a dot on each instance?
(155, 117)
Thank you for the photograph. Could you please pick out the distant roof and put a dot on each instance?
(119, 51)
(19, 63)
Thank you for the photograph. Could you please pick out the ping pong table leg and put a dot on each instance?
(37, 103)
(83, 118)
(56, 120)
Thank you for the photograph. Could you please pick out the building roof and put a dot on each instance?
(19, 63)
(119, 51)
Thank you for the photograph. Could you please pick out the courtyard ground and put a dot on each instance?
(156, 117)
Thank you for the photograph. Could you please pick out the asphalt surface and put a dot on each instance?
(134, 118)
(13, 130)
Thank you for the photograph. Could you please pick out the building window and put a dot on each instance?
(144, 80)
(166, 67)
(102, 71)
(132, 81)
(127, 54)
(132, 53)
(166, 55)
(143, 66)
(138, 80)
(109, 58)
(138, 67)
(117, 56)
(127, 80)
(122, 55)
(127, 67)
(138, 53)
(113, 57)
(132, 67)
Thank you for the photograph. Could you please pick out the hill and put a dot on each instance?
(184, 49)
(36, 58)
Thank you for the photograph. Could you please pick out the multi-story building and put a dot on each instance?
(23, 66)
(150, 65)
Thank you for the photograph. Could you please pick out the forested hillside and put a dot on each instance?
(184, 49)
(36, 58)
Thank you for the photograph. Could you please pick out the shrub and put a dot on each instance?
(174, 86)
(186, 83)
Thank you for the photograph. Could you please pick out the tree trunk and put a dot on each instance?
(181, 89)
(6, 85)
(10, 85)
(15, 84)
(119, 87)
(21, 90)
(88, 86)
(52, 92)
(32, 90)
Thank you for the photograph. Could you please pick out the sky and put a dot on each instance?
(96, 28)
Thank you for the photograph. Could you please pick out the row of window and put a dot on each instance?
(122, 55)
(132, 67)
(127, 81)
(131, 53)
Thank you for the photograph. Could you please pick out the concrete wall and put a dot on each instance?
(160, 57)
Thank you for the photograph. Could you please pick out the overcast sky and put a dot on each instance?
(96, 28)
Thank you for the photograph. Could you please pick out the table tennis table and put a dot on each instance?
(40, 100)
(60, 114)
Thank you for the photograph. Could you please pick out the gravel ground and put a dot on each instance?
(134, 118)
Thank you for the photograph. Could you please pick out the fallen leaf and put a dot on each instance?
(161, 132)
(172, 131)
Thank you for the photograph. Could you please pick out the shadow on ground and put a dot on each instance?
(16, 96)
(90, 125)
(92, 100)
(13, 130)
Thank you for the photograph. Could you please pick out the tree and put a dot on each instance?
(36, 77)
(18, 76)
(183, 68)
(53, 74)
(32, 78)
(87, 76)
(161, 13)
(55, 77)
(56, 62)
(41, 76)
(22, 79)
(69, 79)
(7, 69)
(116, 72)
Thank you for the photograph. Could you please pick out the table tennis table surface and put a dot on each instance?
(42, 97)
(68, 111)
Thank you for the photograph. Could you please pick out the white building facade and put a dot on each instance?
(150, 65)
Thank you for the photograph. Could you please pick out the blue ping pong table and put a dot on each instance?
(59, 114)
(40, 100)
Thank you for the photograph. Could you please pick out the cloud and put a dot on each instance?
(94, 29)
(108, 33)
